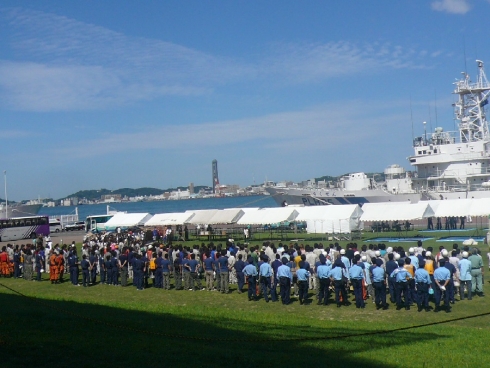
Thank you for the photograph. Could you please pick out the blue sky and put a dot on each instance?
(112, 94)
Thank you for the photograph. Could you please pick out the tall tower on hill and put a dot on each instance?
(215, 176)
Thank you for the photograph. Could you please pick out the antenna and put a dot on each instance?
(430, 118)
(435, 105)
(411, 116)
(464, 54)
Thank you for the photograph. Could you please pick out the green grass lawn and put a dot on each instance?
(62, 325)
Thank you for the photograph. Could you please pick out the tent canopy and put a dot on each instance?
(461, 207)
(396, 211)
(173, 218)
(268, 216)
(331, 219)
(201, 216)
(229, 216)
(127, 220)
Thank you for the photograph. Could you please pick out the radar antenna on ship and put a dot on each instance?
(470, 108)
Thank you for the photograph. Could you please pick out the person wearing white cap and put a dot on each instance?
(476, 272)
(442, 277)
(413, 258)
(367, 277)
(345, 261)
(464, 276)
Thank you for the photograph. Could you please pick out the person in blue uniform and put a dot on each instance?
(166, 269)
(441, 278)
(16, 262)
(103, 271)
(322, 272)
(303, 275)
(379, 284)
(217, 272)
(265, 275)
(73, 265)
(337, 274)
(85, 265)
(401, 277)
(115, 269)
(145, 274)
(391, 266)
(250, 272)
(423, 283)
(158, 271)
(224, 272)
(124, 267)
(139, 269)
(275, 265)
(194, 265)
(356, 274)
(92, 259)
(239, 266)
(285, 277)
(465, 276)
(39, 264)
(450, 285)
(186, 272)
(178, 273)
(108, 267)
(208, 264)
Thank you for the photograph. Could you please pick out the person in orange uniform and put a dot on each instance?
(60, 264)
(53, 269)
(4, 263)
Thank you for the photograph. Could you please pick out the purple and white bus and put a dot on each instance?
(17, 228)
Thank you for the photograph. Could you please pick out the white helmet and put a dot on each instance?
(411, 251)
(377, 253)
(389, 250)
(444, 253)
(465, 254)
(356, 253)
(364, 258)
(428, 254)
(397, 256)
(342, 251)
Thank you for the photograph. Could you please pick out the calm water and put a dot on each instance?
(163, 206)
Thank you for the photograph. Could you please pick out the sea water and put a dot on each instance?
(155, 207)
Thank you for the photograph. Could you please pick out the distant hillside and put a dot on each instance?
(129, 192)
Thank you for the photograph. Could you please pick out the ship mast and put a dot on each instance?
(470, 108)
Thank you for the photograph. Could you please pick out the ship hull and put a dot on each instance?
(314, 197)
(21, 210)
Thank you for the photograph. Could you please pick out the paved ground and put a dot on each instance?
(65, 236)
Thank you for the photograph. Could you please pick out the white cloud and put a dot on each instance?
(64, 64)
(452, 6)
(325, 126)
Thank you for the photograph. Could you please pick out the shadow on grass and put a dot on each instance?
(35, 332)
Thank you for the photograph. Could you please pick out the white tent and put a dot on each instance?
(265, 216)
(173, 218)
(229, 216)
(201, 216)
(461, 207)
(394, 211)
(125, 220)
(331, 219)
(451, 207)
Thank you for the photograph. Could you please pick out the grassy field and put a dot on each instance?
(60, 325)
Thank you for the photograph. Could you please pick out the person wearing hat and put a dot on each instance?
(73, 264)
(401, 277)
(430, 266)
(379, 284)
(423, 283)
(464, 276)
(442, 276)
(285, 277)
(250, 273)
(322, 272)
(414, 259)
(476, 273)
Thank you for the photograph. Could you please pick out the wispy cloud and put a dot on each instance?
(320, 127)
(64, 64)
(6, 134)
(452, 6)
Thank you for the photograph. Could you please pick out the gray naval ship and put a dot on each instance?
(447, 165)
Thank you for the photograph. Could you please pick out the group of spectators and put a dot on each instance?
(372, 272)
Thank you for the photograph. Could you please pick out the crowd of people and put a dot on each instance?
(329, 274)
